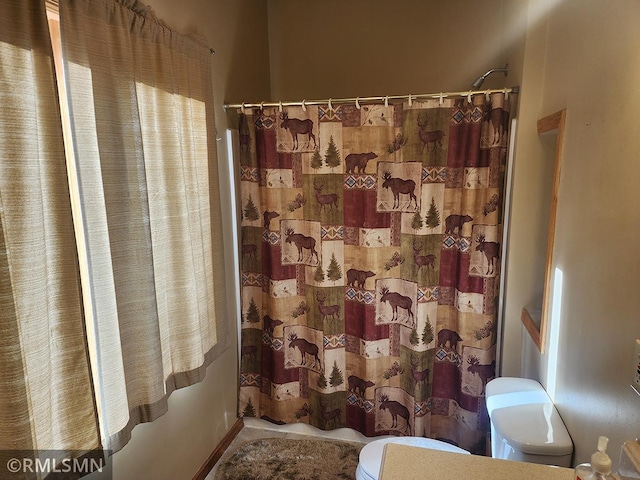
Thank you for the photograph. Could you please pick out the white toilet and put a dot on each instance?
(371, 454)
(525, 425)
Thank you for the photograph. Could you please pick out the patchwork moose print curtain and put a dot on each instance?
(371, 243)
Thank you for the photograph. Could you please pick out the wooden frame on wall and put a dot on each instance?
(535, 320)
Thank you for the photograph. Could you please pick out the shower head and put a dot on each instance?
(477, 83)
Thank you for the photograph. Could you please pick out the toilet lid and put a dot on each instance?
(536, 429)
(522, 412)
(371, 454)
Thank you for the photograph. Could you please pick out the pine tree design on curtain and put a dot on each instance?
(370, 265)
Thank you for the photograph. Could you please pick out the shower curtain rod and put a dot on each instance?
(386, 99)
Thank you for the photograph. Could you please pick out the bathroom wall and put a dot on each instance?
(177, 444)
(582, 55)
(382, 47)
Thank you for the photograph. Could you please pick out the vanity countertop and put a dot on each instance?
(402, 462)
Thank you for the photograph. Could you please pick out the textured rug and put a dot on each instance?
(280, 459)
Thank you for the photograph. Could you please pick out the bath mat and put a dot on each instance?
(280, 458)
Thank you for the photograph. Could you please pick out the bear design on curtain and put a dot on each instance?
(371, 240)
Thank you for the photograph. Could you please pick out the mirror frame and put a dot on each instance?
(538, 329)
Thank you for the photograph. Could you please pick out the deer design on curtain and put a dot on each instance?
(370, 265)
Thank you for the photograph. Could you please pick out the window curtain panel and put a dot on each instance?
(140, 97)
(370, 265)
(46, 396)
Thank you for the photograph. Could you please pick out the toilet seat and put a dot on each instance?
(371, 454)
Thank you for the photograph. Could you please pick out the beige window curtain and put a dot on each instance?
(46, 397)
(140, 99)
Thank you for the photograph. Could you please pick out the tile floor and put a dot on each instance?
(255, 428)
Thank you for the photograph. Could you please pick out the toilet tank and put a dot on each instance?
(525, 425)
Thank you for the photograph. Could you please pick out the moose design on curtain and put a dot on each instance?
(370, 265)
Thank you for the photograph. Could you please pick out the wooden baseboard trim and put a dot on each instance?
(219, 450)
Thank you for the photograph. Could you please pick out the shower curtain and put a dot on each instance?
(370, 257)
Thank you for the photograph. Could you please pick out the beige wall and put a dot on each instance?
(177, 444)
(385, 47)
(583, 56)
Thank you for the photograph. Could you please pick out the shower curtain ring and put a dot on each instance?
(358, 103)
(487, 96)
(330, 107)
(469, 97)
(280, 106)
(242, 108)
(386, 101)
(506, 94)
(304, 107)
(410, 100)
(441, 99)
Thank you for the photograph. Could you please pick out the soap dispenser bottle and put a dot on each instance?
(600, 466)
